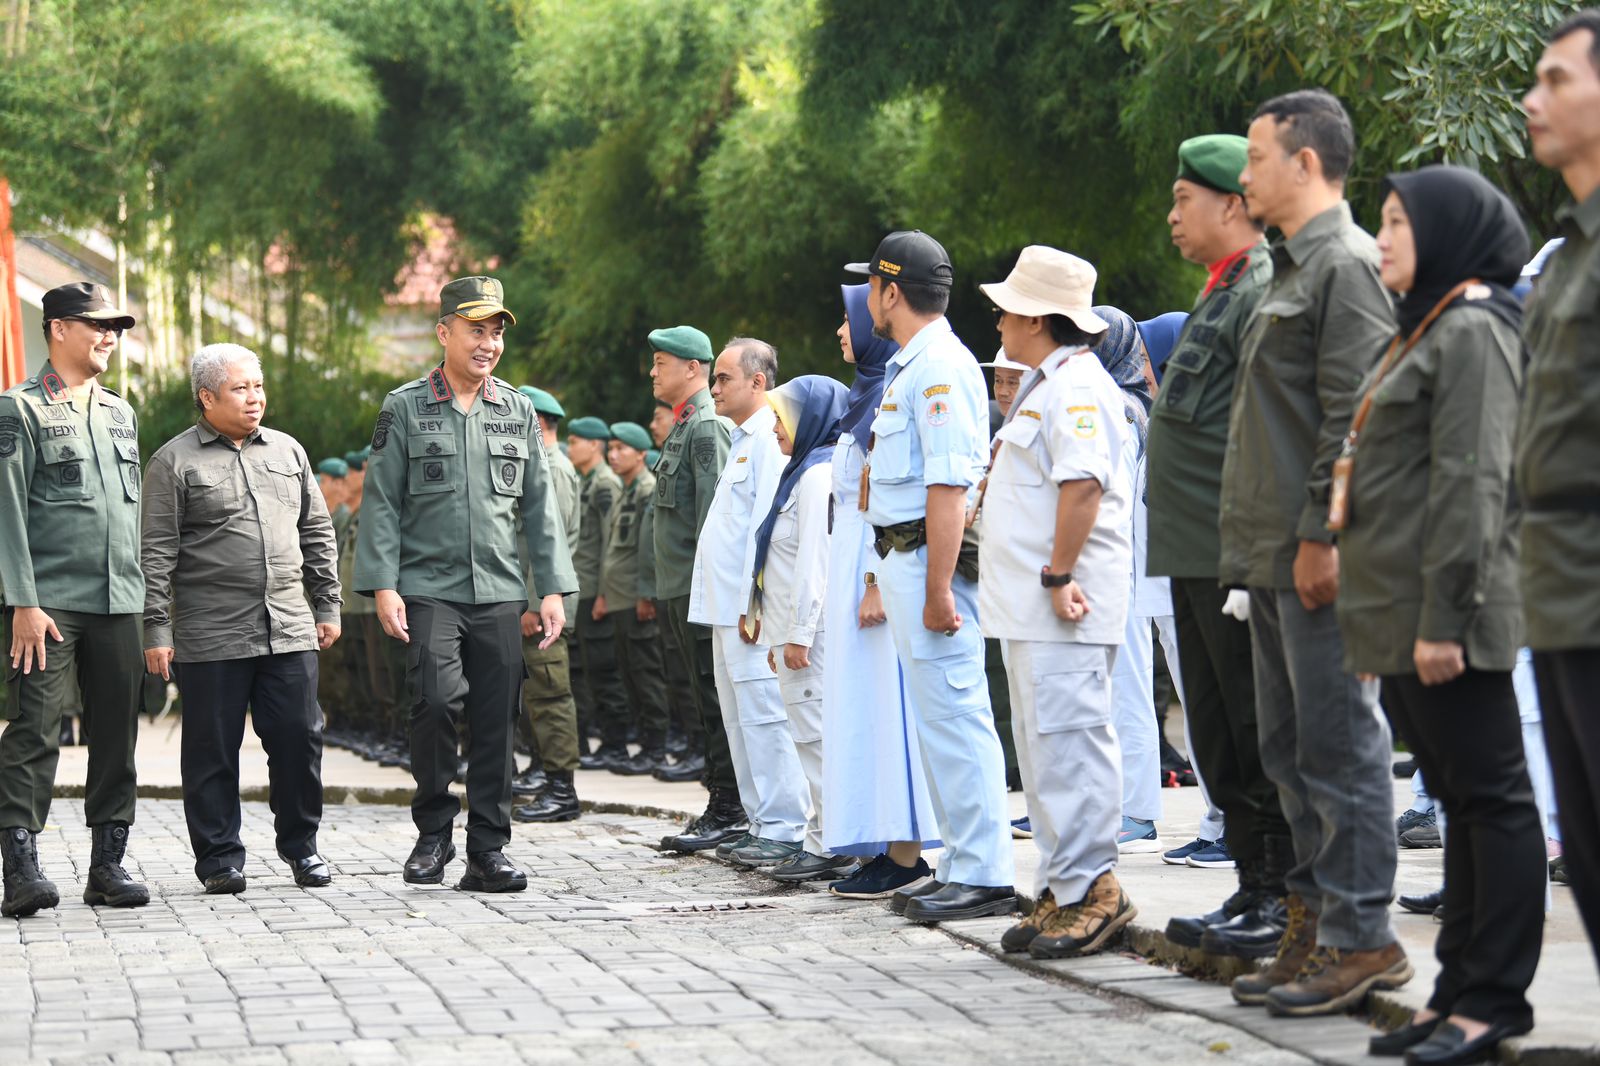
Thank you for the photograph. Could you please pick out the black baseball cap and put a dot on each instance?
(911, 256)
(85, 299)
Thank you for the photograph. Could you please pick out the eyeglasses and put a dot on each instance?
(98, 327)
(999, 314)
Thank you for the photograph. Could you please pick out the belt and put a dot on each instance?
(909, 536)
(1571, 503)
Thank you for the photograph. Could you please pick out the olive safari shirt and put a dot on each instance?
(1321, 325)
(1558, 441)
(628, 573)
(1429, 550)
(236, 539)
(69, 499)
(601, 487)
(443, 492)
(1189, 422)
(686, 480)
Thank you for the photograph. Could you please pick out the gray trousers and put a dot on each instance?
(1328, 749)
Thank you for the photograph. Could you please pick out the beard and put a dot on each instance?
(882, 331)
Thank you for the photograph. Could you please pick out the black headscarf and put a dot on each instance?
(1123, 356)
(1463, 228)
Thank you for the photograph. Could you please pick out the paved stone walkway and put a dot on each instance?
(615, 954)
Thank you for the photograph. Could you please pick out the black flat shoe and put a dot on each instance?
(1396, 1041)
(225, 882)
(309, 872)
(426, 864)
(1426, 903)
(491, 871)
(956, 901)
(1449, 1046)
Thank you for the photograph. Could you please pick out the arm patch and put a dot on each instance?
(380, 435)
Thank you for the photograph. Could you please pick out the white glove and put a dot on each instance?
(1237, 605)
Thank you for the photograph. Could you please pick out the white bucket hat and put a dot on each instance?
(1002, 361)
(1048, 281)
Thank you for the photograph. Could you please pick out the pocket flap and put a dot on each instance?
(129, 451)
(1284, 305)
(283, 467)
(1019, 431)
(205, 477)
(62, 451)
(508, 447)
(426, 446)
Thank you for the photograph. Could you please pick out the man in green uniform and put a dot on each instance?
(1188, 438)
(69, 565)
(1322, 323)
(1557, 447)
(627, 596)
(336, 690)
(548, 706)
(686, 479)
(457, 457)
(686, 741)
(602, 702)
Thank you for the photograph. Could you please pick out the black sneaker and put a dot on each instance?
(881, 878)
(1410, 819)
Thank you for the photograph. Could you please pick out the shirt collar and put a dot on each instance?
(208, 434)
(923, 338)
(763, 419)
(1585, 216)
(1318, 230)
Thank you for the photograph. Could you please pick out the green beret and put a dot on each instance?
(685, 342)
(632, 434)
(651, 458)
(589, 428)
(1215, 161)
(333, 467)
(543, 403)
(366, 454)
(355, 460)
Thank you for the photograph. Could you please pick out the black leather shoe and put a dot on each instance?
(1449, 1046)
(723, 820)
(956, 901)
(225, 882)
(1425, 903)
(427, 862)
(602, 758)
(1396, 1041)
(557, 803)
(646, 762)
(309, 872)
(901, 900)
(1252, 935)
(491, 871)
(689, 768)
(1187, 931)
(529, 783)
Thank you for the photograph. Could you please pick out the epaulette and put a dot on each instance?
(409, 386)
(1235, 272)
(686, 414)
(108, 390)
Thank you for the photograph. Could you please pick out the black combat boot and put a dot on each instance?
(1256, 933)
(724, 819)
(26, 889)
(557, 803)
(109, 884)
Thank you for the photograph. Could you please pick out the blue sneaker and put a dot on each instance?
(881, 878)
(1180, 856)
(1021, 829)
(1214, 857)
(1138, 837)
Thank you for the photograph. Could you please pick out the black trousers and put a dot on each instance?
(1569, 701)
(694, 642)
(464, 661)
(1219, 692)
(280, 692)
(1467, 740)
(597, 683)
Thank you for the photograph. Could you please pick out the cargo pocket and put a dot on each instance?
(1183, 384)
(128, 461)
(666, 495)
(890, 457)
(508, 458)
(63, 462)
(285, 479)
(11, 706)
(961, 675)
(1072, 689)
(432, 467)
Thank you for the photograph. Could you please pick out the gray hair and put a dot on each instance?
(209, 367)
(756, 357)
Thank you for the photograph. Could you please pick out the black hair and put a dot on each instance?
(47, 330)
(1314, 119)
(1068, 334)
(1586, 19)
(756, 357)
(924, 299)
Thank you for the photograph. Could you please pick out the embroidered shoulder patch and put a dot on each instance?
(938, 413)
(1035, 415)
(935, 390)
(380, 435)
(705, 454)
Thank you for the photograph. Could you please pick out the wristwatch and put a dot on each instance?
(1054, 581)
(870, 579)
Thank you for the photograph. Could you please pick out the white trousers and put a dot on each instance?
(802, 700)
(772, 787)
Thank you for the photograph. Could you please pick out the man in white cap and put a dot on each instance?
(1061, 495)
(1007, 376)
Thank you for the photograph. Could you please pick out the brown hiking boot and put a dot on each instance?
(1019, 936)
(1084, 927)
(1334, 980)
(1293, 950)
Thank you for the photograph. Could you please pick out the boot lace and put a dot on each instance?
(1294, 930)
(1321, 959)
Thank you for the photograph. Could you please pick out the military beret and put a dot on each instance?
(589, 428)
(632, 434)
(543, 403)
(355, 460)
(333, 467)
(685, 342)
(1215, 161)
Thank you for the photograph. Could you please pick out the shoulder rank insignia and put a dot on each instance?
(686, 413)
(1240, 265)
(490, 393)
(54, 390)
(439, 386)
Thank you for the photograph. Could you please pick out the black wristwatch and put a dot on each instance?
(1054, 581)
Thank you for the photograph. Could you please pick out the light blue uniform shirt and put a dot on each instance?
(932, 426)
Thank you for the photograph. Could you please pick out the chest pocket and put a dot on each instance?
(65, 462)
(434, 465)
(283, 479)
(1184, 383)
(627, 534)
(1019, 461)
(213, 492)
(508, 460)
(1396, 413)
(666, 472)
(735, 477)
(1287, 333)
(891, 447)
(128, 461)
(787, 527)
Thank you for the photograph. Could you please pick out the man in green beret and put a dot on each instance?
(686, 742)
(457, 459)
(547, 701)
(686, 480)
(627, 596)
(1188, 440)
(602, 701)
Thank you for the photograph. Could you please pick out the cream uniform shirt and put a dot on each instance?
(1067, 424)
(725, 557)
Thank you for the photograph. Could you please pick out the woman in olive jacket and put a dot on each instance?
(1428, 599)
